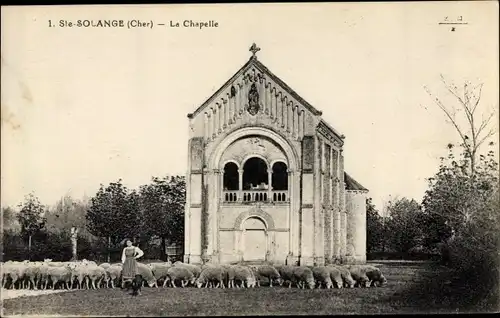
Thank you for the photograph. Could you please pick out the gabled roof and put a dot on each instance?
(352, 184)
(331, 130)
(254, 62)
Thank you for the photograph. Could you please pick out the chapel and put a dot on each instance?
(266, 180)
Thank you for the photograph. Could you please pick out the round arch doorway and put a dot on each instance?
(254, 240)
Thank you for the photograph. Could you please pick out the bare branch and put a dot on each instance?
(466, 94)
(452, 91)
(465, 104)
(447, 113)
(484, 124)
(488, 135)
(478, 98)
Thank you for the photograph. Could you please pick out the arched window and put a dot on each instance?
(280, 177)
(255, 174)
(231, 177)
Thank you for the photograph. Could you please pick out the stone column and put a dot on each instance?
(240, 184)
(263, 96)
(296, 122)
(318, 247)
(212, 206)
(343, 214)
(279, 105)
(212, 123)
(205, 126)
(289, 110)
(219, 178)
(270, 184)
(337, 209)
(215, 121)
(220, 118)
(294, 232)
(291, 213)
(239, 100)
(285, 114)
(187, 215)
(317, 193)
(226, 113)
(333, 210)
(269, 96)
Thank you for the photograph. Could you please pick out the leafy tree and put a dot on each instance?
(464, 196)
(162, 204)
(9, 217)
(405, 224)
(66, 213)
(375, 229)
(114, 213)
(460, 200)
(31, 218)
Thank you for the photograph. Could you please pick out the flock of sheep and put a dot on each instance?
(87, 274)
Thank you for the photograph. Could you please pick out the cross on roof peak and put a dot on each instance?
(254, 49)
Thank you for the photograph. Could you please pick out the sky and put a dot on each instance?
(87, 106)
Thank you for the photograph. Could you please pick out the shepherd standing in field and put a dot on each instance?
(129, 259)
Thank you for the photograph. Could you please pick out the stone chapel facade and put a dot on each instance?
(266, 179)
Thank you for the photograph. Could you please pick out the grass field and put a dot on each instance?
(403, 294)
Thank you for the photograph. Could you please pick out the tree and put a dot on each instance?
(66, 213)
(9, 216)
(31, 218)
(405, 224)
(459, 199)
(162, 204)
(476, 133)
(375, 230)
(114, 213)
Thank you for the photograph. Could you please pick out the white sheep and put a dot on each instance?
(358, 273)
(244, 275)
(105, 265)
(322, 276)
(336, 276)
(347, 279)
(212, 274)
(32, 274)
(15, 270)
(147, 274)
(367, 275)
(93, 273)
(113, 273)
(196, 270)
(286, 273)
(269, 272)
(175, 273)
(303, 275)
(58, 274)
(160, 271)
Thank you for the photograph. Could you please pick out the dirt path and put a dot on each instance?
(15, 293)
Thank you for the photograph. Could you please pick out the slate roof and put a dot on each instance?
(352, 184)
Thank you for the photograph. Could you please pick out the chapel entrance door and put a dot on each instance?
(255, 240)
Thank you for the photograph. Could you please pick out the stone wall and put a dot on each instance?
(356, 226)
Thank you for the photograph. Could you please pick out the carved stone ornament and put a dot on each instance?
(253, 101)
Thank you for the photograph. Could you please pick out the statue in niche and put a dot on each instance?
(253, 100)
